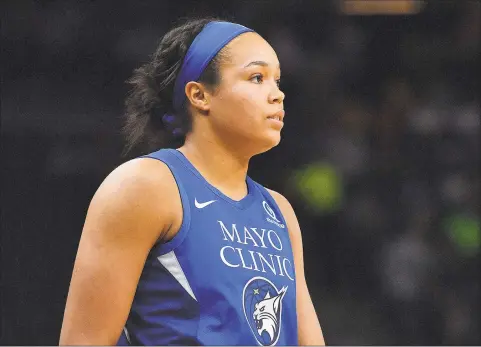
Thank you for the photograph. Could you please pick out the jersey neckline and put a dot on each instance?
(245, 202)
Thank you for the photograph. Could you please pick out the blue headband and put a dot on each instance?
(213, 37)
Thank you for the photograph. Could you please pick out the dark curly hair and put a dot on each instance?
(152, 90)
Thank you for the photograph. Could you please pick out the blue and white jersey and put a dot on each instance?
(226, 278)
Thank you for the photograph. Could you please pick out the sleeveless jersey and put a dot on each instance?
(226, 278)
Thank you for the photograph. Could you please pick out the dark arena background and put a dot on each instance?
(380, 154)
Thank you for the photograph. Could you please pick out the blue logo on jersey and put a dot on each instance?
(262, 304)
(270, 212)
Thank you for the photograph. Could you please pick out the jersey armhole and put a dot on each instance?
(166, 247)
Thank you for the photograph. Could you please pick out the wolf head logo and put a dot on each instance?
(263, 309)
(267, 313)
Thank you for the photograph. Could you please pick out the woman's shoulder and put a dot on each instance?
(142, 174)
(281, 201)
(140, 182)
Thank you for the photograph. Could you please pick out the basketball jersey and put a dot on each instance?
(226, 278)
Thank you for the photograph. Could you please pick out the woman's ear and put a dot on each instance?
(198, 96)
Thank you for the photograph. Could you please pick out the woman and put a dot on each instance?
(181, 247)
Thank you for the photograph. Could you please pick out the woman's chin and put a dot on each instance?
(270, 140)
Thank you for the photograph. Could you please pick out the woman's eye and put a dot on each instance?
(278, 82)
(257, 78)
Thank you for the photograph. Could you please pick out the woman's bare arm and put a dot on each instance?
(309, 329)
(132, 208)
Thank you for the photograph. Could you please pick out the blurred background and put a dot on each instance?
(380, 154)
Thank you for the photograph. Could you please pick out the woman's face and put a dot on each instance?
(247, 108)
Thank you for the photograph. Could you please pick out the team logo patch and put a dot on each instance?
(272, 216)
(262, 303)
(270, 211)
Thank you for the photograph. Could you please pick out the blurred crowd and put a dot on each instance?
(380, 155)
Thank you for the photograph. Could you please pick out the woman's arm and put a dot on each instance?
(131, 210)
(309, 329)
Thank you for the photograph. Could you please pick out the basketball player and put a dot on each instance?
(181, 247)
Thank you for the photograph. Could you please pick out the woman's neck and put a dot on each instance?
(220, 166)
